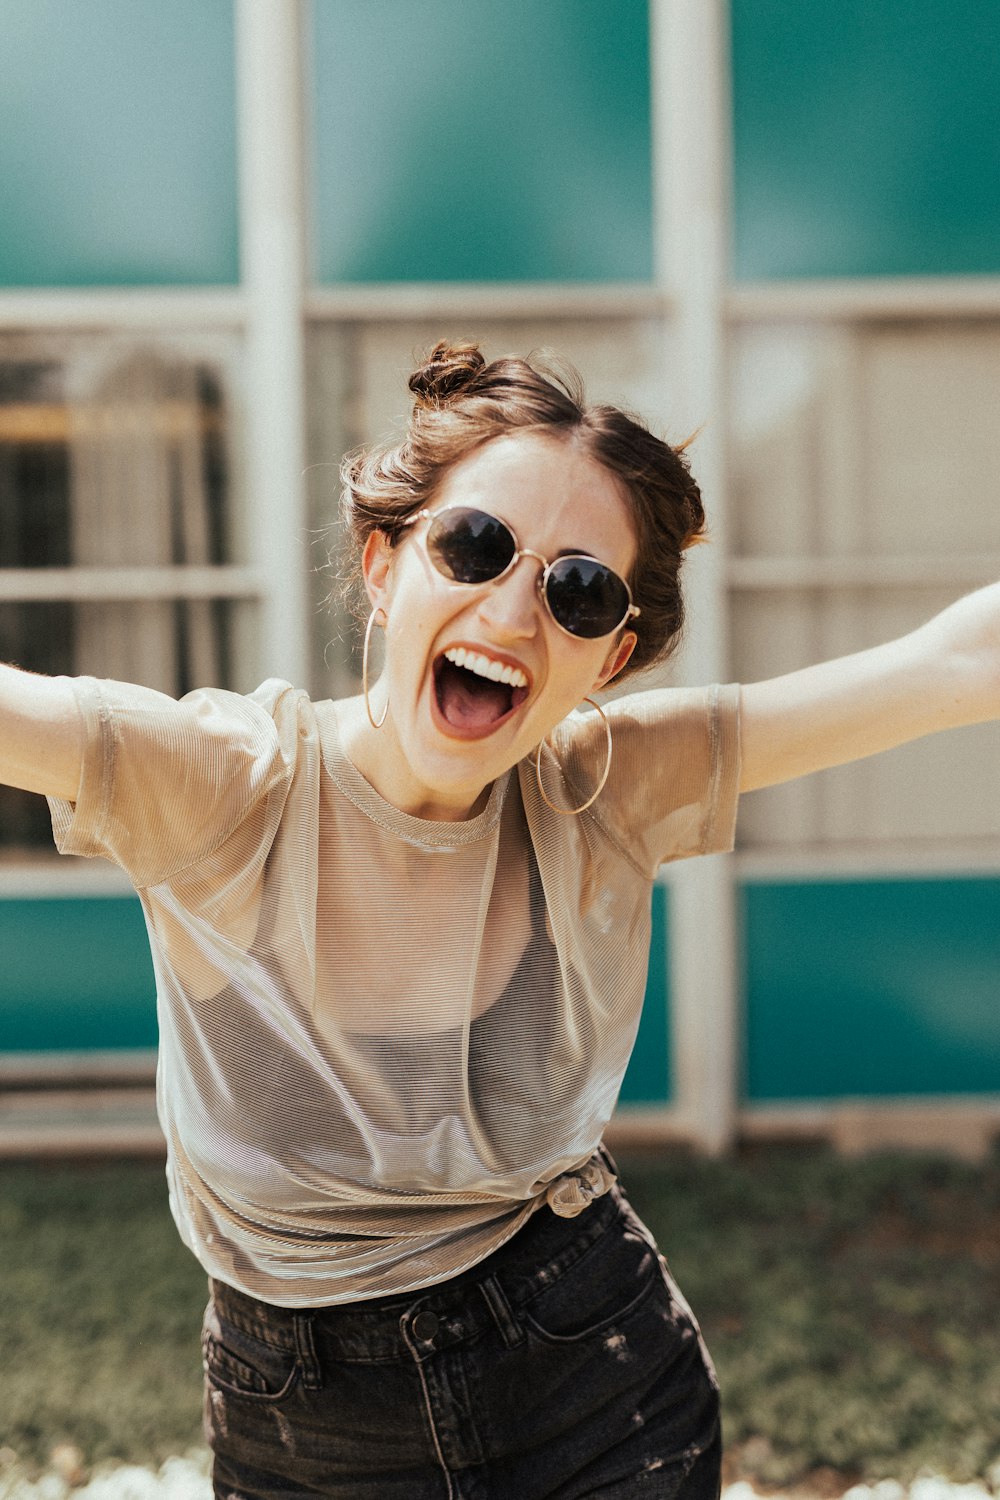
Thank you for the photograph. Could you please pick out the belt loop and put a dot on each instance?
(305, 1348)
(504, 1318)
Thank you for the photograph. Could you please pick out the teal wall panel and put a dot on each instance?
(881, 987)
(867, 137)
(648, 1079)
(875, 988)
(117, 142)
(492, 142)
(77, 975)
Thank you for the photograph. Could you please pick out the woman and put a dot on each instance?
(400, 944)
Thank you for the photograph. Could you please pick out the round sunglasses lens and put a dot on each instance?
(585, 597)
(468, 545)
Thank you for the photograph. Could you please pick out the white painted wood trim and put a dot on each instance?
(37, 585)
(966, 1128)
(704, 1000)
(383, 302)
(63, 1069)
(53, 875)
(269, 75)
(165, 309)
(771, 1118)
(959, 571)
(61, 1141)
(691, 152)
(859, 299)
(635, 1125)
(857, 863)
(121, 1122)
(62, 309)
(963, 1127)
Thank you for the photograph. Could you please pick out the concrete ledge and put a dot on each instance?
(77, 1070)
(963, 1133)
(121, 1121)
(79, 1122)
(965, 1128)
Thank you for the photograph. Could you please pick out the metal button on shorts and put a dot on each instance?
(425, 1325)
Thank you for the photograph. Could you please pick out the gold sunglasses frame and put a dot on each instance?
(632, 612)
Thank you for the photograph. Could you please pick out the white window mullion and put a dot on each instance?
(691, 153)
(125, 582)
(272, 257)
(92, 309)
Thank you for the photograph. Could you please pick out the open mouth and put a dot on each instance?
(474, 695)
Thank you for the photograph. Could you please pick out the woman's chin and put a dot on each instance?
(454, 766)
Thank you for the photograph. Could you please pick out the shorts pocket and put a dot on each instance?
(238, 1362)
(609, 1283)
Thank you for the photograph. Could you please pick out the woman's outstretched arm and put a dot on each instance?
(40, 734)
(941, 676)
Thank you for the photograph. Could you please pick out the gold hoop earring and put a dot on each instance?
(375, 723)
(571, 812)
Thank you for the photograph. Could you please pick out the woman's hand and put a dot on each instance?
(41, 744)
(943, 675)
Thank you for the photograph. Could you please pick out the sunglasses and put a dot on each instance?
(585, 597)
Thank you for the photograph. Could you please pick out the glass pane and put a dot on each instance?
(112, 454)
(174, 645)
(871, 987)
(867, 138)
(117, 143)
(850, 446)
(491, 142)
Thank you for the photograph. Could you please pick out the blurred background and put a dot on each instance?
(229, 226)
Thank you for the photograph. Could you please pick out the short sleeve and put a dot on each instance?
(673, 787)
(166, 782)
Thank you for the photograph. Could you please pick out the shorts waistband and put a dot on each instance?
(447, 1312)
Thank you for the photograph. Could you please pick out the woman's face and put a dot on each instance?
(447, 737)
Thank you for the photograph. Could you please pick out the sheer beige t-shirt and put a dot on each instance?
(384, 1039)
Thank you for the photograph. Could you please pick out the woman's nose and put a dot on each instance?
(510, 606)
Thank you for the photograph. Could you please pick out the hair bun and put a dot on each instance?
(446, 373)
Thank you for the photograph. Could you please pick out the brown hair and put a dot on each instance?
(462, 402)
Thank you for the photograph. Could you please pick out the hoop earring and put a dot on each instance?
(375, 723)
(570, 812)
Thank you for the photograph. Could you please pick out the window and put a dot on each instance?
(116, 520)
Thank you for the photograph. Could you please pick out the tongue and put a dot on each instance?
(471, 701)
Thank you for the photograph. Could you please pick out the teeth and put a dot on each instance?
(483, 666)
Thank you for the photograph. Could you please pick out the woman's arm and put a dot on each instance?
(41, 746)
(943, 675)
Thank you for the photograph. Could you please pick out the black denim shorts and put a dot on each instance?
(565, 1365)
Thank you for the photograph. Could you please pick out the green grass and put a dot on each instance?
(100, 1314)
(852, 1308)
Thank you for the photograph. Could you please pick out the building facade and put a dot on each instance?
(229, 226)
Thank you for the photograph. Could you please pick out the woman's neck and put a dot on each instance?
(378, 756)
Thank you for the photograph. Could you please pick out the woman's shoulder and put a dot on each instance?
(657, 718)
(672, 778)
